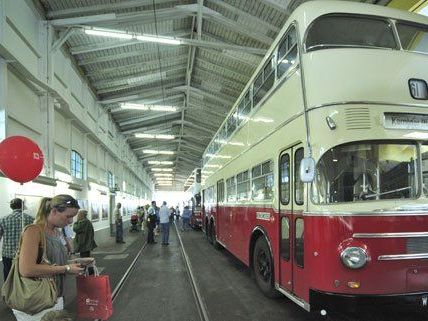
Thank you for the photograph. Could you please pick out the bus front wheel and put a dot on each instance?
(263, 268)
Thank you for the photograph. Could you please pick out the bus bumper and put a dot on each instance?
(351, 303)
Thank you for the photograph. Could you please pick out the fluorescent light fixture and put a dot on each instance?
(164, 184)
(148, 107)
(164, 40)
(125, 35)
(162, 174)
(154, 136)
(162, 169)
(160, 162)
(158, 152)
(218, 156)
(109, 33)
(262, 120)
(213, 166)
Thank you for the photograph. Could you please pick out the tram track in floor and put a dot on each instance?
(202, 309)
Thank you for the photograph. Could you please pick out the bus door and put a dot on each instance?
(291, 221)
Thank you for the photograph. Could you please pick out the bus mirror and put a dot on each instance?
(307, 169)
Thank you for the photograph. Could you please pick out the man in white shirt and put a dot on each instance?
(164, 223)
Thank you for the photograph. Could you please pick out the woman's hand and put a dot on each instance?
(75, 268)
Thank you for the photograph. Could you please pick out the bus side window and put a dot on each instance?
(298, 184)
(299, 249)
(285, 179)
(285, 238)
(220, 191)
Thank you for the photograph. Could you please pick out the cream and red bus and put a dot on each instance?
(317, 179)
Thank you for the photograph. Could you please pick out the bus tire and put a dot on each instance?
(263, 268)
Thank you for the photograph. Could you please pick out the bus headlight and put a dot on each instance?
(354, 257)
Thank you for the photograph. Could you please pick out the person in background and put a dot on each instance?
(171, 214)
(177, 213)
(186, 218)
(164, 223)
(119, 223)
(84, 241)
(66, 236)
(54, 212)
(151, 223)
(10, 230)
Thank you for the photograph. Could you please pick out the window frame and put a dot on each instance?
(76, 158)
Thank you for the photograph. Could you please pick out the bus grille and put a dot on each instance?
(417, 245)
(357, 118)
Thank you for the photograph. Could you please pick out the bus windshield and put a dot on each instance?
(335, 31)
(413, 37)
(366, 172)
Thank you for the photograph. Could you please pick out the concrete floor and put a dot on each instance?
(158, 288)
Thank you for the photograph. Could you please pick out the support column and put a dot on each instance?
(3, 98)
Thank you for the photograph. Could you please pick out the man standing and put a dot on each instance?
(164, 223)
(186, 218)
(10, 230)
(151, 223)
(119, 223)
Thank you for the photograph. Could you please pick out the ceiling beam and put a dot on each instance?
(220, 98)
(161, 100)
(184, 41)
(128, 86)
(82, 10)
(205, 129)
(237, 75)
(142, 93)
(151, 117)
(152, 64)
(280, 6)
(257, 21)
(115, 81)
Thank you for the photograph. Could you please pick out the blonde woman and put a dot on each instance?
(53, 213)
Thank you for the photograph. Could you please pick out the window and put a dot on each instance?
(242, 186)
(110, 180)
(264, 81)
(367, 171)
(76, 165)
(220, 191)
(413, 37)
(287, 53)
(285, 238)
(285, 179)
(298, 184)
(299, 253)
(231, 189)
(338, 31)
(262, 181)
(231, 125)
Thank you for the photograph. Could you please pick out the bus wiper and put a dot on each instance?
(388, 192)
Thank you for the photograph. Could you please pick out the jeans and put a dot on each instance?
(150, 234)
(186, 223)
(7, 265)
(165, 232)
(119, 231)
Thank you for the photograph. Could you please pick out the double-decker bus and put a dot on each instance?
(317, 179)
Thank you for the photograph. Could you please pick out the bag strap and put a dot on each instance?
(42, 241)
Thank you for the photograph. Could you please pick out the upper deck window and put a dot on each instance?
(366, 172)
(413, 37)
(336, 31)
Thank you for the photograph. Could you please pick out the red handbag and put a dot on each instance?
(94, 297)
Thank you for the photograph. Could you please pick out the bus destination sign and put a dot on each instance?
(405, 121)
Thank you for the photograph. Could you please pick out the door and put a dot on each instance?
(291, 220)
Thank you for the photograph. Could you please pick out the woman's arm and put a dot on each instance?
(28, 266)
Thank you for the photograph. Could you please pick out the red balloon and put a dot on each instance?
(21, 159)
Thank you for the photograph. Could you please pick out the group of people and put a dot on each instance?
(49, 229)
(162, 217)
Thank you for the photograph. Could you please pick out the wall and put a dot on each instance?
(44, 97)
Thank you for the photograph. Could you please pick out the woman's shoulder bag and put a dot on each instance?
(29, 295)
